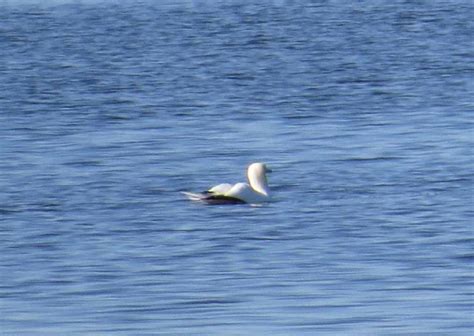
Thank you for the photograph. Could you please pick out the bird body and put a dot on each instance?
(256, 191)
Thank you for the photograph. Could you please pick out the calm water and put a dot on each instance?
(363, 110)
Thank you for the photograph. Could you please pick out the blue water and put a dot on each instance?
(362, 109)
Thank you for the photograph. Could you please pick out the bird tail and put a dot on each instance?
(194, 196)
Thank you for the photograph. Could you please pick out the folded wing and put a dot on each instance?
(244, 192)
(215, 195)
(220, 189)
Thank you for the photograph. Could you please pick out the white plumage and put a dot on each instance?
(254, 192)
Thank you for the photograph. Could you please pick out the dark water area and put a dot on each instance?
(108, 110)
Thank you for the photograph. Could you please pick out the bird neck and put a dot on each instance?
(259, 183)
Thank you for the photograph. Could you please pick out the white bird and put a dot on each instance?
(254, 192)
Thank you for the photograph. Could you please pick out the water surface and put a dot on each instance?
(364, 112)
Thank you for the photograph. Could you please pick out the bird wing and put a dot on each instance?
(220, 189)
